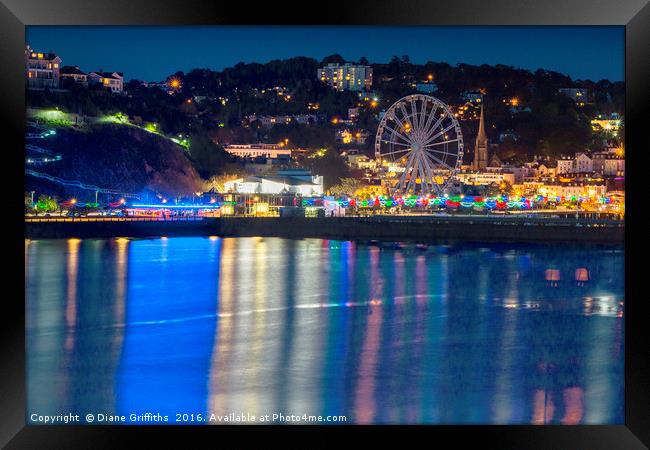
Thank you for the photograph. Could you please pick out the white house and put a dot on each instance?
(112, 80)
(564, 165)
(42, 69)
(583, 164)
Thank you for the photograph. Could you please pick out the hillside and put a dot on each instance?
(118, 157)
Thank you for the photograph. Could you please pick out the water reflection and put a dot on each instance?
(382, 334)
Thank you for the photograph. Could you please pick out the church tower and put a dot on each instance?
(481, 147)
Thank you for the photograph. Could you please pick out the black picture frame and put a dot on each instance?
(633, 14)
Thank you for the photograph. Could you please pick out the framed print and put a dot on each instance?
(405, 218)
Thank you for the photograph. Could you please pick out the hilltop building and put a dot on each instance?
(42, 69)
(346, 77)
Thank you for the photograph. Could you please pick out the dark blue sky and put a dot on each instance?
(152, 53)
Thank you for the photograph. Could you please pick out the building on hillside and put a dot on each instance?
(610, 164)
(472, 96)
(564, 165)
(346, 136)
(257, 150)
(111, 80)
(426, 87)
(271, 121)
(578, 95)
(611, 123)
(346, 77)
(581, 163)
(42, 70)
(357, 160)
(74, 75)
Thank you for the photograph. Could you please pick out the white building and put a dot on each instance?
(583, 164)
(111, 80)
(298, 182)
(358, 160)
(485, 178)
(346, 77)
(580, 164)
(609, 164)
(571, 190)
(564, 166)
(42, 69)
(255, 150)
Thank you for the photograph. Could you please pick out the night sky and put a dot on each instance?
(153, 53)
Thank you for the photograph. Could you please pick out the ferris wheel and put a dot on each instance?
(419, 145)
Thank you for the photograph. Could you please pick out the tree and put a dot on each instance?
(333, 59)
(217, 183)
(346, 186)
(46, 204)
(209, 158)
(330, 165)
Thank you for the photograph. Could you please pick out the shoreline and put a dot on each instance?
(381, 228)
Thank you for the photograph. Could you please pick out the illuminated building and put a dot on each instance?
(580, 164)
(346, 77)
(255, 150)
(111, 80)
(271, 121)
(611, 124)
(42, 69)
(290, 181)
(611, 163)
(485, 178)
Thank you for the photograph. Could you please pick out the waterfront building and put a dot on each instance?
(111, 80)
(42, 70)
(485, 178)
(74, 75)
(576, 189)
(255, 150)
(290, 181)
(346, 77)
(481, 146)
